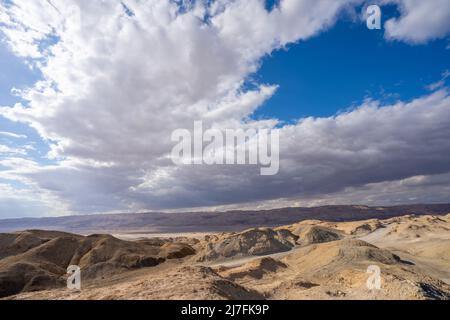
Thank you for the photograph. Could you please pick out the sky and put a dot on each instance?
(91, 91)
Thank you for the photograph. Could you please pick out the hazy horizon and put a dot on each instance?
(225, 210)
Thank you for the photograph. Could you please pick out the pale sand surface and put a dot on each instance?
(150, 235)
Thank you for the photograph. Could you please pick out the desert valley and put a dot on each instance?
(308, 259)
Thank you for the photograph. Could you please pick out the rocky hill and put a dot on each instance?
(310, 259)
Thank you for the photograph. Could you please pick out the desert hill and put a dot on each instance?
(337, 270)
(316, 234)
(36, 260)
(253, 242)
(311, 259)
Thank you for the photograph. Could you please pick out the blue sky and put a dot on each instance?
(343, 66)
(95, 136)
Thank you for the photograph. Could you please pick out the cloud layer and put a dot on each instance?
(420, 21)
(119, 77)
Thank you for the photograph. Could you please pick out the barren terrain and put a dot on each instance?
(311, 259)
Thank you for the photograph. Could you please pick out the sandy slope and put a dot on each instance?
(199, 283)
(423, 240)
(311, 259)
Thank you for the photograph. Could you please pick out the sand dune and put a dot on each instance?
(311, 259)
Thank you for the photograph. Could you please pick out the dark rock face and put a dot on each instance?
(316, 234)
(253, 242)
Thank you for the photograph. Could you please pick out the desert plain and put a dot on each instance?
(310, 259)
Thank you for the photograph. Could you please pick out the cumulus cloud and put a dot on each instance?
(322, 156)
(119, 77)
(420, 21)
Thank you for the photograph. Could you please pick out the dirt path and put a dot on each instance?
(233, 263)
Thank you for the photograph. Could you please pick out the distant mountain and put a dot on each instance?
(214, 221)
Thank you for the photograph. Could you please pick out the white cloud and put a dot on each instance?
(439, 84)
(115, 86)
(12, 135)
(420, 21)
(9, 150)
